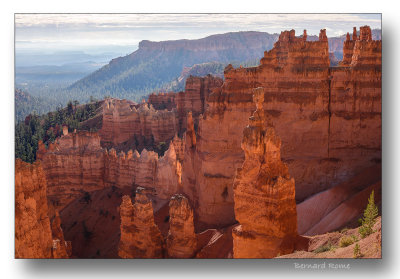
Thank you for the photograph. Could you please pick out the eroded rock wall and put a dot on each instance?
(329, 120)
(34, 236)
(76, 164)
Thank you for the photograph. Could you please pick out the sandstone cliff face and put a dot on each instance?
(76, 164)
(181, 240)
(140, 237)
(264, 193)
(329, 121)
(193, 99)
(61, 249)
(73, 165)
(33, 237)
(169, 174)
(137, 128)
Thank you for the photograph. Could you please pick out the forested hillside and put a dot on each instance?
(48, 127)
(156, 64)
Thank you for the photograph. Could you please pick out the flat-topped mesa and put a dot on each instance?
(140, 236)
(264, 193)
(181, 239)
(362, 51)
(290, 52)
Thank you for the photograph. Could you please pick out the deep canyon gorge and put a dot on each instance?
(259, 164)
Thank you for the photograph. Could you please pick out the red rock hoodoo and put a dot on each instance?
(181, 240)
(328, 118)
(140, 237)
(264, 193)
(76, 164)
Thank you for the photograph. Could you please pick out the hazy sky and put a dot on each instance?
(97, 32)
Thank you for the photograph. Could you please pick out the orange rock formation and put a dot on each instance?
(76, 164)
(34, 237)
(61, 249)
(123, 123)
(140, 237)
(181, 240)
(328, 118)
(264, 193)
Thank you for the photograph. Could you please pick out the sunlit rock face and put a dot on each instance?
(76, 163)
(328, 119)
(140, 237)
(264, 193)
(34, 236)
(181, 240)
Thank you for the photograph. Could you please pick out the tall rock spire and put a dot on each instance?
(264, 193)
(140, 236)
(181, 240)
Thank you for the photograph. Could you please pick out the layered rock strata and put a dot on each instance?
(329, 120)
(140, 237)
(123, 123)
(181, 240)
(61, 249)
(76, 164)
(34, 236)
(264, 193)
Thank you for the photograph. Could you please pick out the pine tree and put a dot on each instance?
(357, 251)
(370, 214)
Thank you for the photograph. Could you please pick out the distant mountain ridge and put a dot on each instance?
(155, 64)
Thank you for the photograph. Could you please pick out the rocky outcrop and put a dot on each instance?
(181, 240)
(264, 193)
(135, 128)
(163, 100)
(193, 99)
(76, 164)
(169, 174)
(34, 236)
(140, 237)
(328, 118)
(61, 249)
